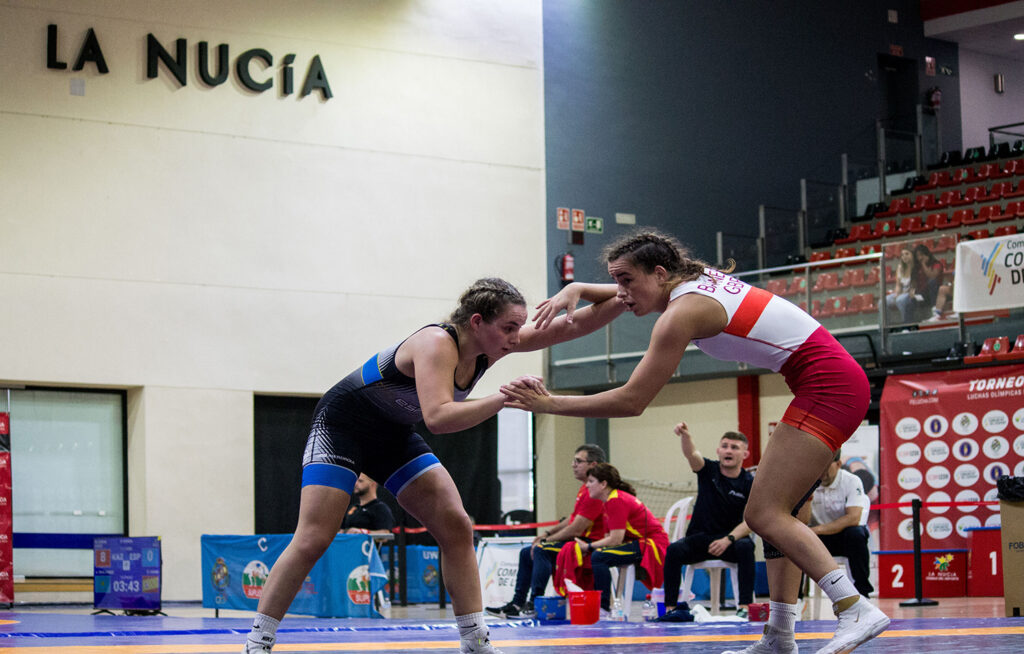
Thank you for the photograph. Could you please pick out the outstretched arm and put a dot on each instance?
(693, 457)
(550, 329)
(691, 316)
(567, 299)
(434, 358)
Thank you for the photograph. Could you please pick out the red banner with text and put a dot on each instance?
(947, 437)
(6, 516)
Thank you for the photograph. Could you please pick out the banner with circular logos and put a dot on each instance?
(947, 437)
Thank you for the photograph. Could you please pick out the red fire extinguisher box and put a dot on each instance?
(985, 562)
(943, 573)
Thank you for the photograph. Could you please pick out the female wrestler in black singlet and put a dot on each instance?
(365, 424)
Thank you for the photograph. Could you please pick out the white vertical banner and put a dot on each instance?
(498, 561)
(989, 274)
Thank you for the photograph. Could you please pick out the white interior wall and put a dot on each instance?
(646, 447)
(981, 106)
(196, 245)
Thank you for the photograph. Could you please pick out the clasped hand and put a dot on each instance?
(527, 393)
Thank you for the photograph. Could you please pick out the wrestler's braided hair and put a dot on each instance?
(488, 297)
(649, 248)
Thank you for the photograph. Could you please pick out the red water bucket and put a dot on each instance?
(585, 607)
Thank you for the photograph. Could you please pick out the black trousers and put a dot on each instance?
(694, 549)
(852, 543)
(602, 561)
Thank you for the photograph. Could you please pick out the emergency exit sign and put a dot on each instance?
(595, 225)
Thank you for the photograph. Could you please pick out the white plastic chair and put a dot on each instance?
(714, 567)
(624, 587)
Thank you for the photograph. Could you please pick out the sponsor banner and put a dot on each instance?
(947, 437)
(6, 515)
(989, 274)
(126, 573)
(342, 584)
(498, 562)
(422, 571)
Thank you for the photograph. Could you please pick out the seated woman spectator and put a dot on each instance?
(634, 535)
(904, 298)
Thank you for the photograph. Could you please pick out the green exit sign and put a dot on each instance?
(595, 225)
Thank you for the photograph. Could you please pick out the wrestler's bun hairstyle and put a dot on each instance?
(488, 297)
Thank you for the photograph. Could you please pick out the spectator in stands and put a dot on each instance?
(366, 513)
(904, 298)
(717, 529)
(929, 275)
(634, 536)
(537, 560)
(839, 512)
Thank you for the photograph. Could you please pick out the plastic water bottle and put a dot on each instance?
(617, 614)
(650, 611)
(384, 604)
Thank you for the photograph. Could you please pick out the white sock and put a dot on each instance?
(469, 623)
(782, 616)
(837, 585)
(264, 630)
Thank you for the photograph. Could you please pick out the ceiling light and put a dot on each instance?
(1018, 37)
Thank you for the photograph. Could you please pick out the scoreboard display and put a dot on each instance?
(126, 573)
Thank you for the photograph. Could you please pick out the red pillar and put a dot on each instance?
(748, 405)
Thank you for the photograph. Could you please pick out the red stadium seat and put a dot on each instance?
(1018, 349)
(1001, 189)
(871, 249)
(826, 281)
(923, 202)
(886, 228)
(859, 232)
(976, 194)
(895, 207)
(1017, 192)
(797, 285)
(871, 278)
(867, 304)
(945, 221)
(950, 198)
(926, 225)
(966, 217)
(1005, 230)
(990, 349)
(978, 234)
(911, 224)
(1016, 208)
(821, 255)
(944, 243)
(852, 277)
(958, 176)
(990, 212)
(835, 306)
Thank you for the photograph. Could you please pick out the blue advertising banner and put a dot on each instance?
(421, 571)
(126, 573)
(342, 584)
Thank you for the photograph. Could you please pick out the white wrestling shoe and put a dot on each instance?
(478, 642)
(857, 625)
(772, 642)
(255, 648)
